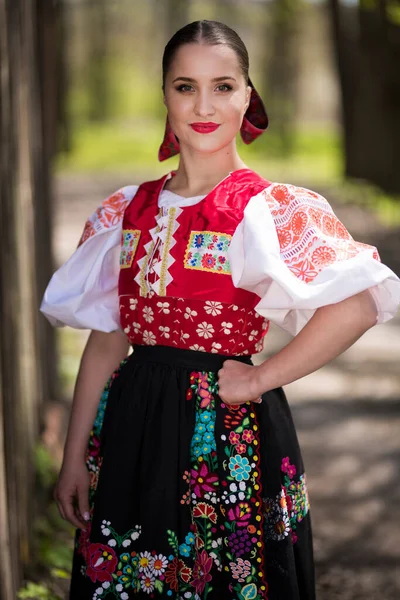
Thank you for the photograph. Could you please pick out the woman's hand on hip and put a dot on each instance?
(239, 383)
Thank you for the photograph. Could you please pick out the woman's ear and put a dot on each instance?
(248, 96)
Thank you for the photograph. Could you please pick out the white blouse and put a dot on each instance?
(290, 249)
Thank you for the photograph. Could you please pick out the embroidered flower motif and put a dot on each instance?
(88, 232)
(197, 347)
(136, 327)
(341, 231)
(184, 550)
(189, 313)
(101, 562)
(323, 256)
(215, 347)
(144, 560)
(205, 330)
(226, 327)
(112, 209)
(177, 568)
(133, 303)
(281, 194)
(201, 571)
(184, 336)
(147, 584)
(239, 467)
(241, 514)
(284, 237)
(208, 261)
(202, 480)
(299, 222)
(204, 391)
(288, 468)
(213, 308)
(205, 511)
(234, 438)
(127, 329)
(241, 448)
(164, 331)
(304, 270)
(248, 435)
(198, 240)
(149, 338)
(260, 345)
(328, 225)
(190, 539)
(163, 307)
(253, 335)
(148, 314)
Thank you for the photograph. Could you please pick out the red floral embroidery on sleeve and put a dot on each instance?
(109, 214)
(310, 235)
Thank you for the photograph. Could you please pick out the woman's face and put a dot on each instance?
(206, 96)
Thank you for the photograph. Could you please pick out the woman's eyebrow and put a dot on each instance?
(215, 79)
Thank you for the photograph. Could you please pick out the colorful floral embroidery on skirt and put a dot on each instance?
(230, 520)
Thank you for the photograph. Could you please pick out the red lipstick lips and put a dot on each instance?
(204, 127)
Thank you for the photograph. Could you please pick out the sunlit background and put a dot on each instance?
(81, 116)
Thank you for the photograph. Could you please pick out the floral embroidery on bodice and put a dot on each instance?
(173, 290)
(205, 326)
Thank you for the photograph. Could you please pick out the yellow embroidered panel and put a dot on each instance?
(208, 251)
(129, 243)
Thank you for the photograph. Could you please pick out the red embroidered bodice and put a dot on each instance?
(175, 285)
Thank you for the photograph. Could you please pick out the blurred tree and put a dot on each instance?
(97, 65)
(280, 74)
(28, 43)
(367, 41)
(174, 14)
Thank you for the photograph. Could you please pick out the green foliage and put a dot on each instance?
(71, 343)
(45, 468)
(36, 591)
(49, 570)
(391, 7)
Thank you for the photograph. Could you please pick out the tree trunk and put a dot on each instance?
(24, 266)
(281, 83)
(368, 54)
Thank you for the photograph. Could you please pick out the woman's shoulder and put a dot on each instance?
(109, 214)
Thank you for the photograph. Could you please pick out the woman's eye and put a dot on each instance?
(224, 87)
(184, 88)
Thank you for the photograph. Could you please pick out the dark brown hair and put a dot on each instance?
(210, 33)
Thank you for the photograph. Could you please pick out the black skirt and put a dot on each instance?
(191, 498)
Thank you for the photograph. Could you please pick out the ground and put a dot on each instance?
(347, 417)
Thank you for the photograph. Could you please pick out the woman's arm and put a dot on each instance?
(102, 355)
(330, 331)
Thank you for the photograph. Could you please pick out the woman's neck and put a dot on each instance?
(198, 174)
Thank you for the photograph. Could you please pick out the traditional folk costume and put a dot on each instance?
(191, 498)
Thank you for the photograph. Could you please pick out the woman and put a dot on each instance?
(197, 486)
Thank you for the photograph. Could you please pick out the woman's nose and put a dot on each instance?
(204, 105)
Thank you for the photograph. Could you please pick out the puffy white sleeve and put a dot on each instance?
(83, 293)
(293, 252)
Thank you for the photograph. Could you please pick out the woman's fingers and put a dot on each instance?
(83, 502)
(66, 500)
(69, 511)
(236, 383)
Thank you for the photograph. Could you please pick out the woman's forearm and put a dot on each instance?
(330, 331)
(102, 355)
